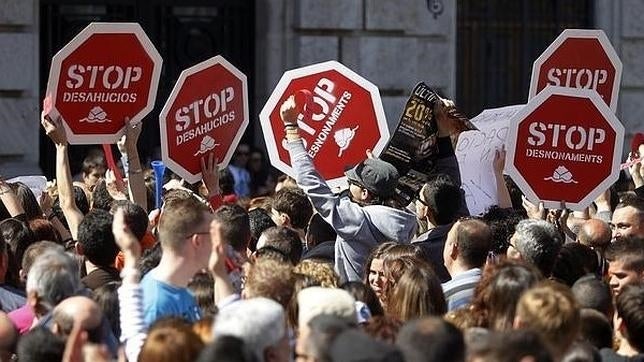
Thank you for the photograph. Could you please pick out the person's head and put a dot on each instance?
(260, 323)
(512, 346)
(106, 296)
(271, 279)
(227, 349)
(537, 242)
(235, 226)
(322, 273)
(81, 310)
(284, 239)
(94, 167)
(629, 320)
(595, 328)
(372, 181)
(593, 293)
(259, 220)
(314, 341)
(101, 198)
(27, 200)
(256, 161)
(291, 207)
(314, 301)
(439, 200)
(226, 182)
(40, 344)
(374, 271)
(353, 346)
(628, 218)
(184, 229)
(383, 328)
(595, 233)
(467, 245)
(202, 287)
(242, 154)
(318, 231)
(171, 340)
(8, 337)
(431, 339)
(44, 230)
(502, 223)
(573, 262)
(52, 278)
(96, 240)
(418, 293)
(500, 287)
(32, 253)
(150, 259)
(581, 352)
(17, 237)
(549, 308)
(135, 217)
(625, 262)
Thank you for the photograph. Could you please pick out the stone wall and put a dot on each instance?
(393, 44)
(18, 88)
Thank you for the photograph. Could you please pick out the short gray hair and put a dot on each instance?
(54, 276)
(538, 242)
(259, 322)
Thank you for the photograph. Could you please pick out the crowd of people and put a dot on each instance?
(244, 267)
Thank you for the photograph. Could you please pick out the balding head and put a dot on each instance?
(81, 310)
(8, 337)
(595, 233)
(468, 243)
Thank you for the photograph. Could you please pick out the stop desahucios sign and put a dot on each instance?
(207, 112)
(346, 118)
(564, 145)
(108, 72)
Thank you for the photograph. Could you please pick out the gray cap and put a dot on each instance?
(377, 176)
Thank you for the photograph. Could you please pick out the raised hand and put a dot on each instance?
(289, 111)
(534, 211)
(210, 174)
(499, 161)
(54, 129)
(123, 236)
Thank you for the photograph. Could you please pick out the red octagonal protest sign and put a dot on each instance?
(346, 119)
(564, 145)
(581, 59)
(207, 112)
(108, 72)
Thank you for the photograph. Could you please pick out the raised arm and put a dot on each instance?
(130, 152)
(56, 132)
(503, 195)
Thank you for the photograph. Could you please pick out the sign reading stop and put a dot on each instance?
(564, 145)
(346, 119)
(581, 59)
(207, 112)
(108, 72)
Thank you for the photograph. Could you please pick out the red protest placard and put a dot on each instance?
(581, 59)
(207, 112)
(346, 118)
(564, 145)
(108, 72)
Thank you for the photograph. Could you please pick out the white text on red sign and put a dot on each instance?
(111, 77)
(574, 138)
(204, 115)
(577, 78)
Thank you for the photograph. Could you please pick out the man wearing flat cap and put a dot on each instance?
(362, 218)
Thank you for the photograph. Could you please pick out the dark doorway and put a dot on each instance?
(184, 31)
(497, 42)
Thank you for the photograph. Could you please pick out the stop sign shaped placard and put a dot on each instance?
(581, 59)
(346, 119)
(108, 72)
(564, 145)
(207, 112)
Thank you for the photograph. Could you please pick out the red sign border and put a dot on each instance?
(280, 88)
(104, 28)
(534, 103)
(584, 34)
(167, 160)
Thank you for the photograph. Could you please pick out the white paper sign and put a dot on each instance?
(475, 154)
(37, 184)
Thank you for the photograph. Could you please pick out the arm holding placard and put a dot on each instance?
(637, 171)
(135, 177)
(56, 132)
(10, 199)
(338, 211)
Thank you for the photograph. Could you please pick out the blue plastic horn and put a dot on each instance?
(159, 170)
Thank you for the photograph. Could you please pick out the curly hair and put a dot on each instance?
(321, 272)
(271, 279)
